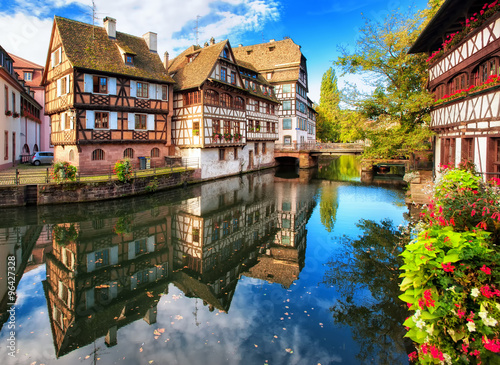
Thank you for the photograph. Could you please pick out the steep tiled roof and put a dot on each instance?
(283, 57)
(22, 64)
(193, 74)
(89, 47)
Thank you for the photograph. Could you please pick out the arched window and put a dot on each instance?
(458, 83)
(226, 101)
(239, 103)
(35, 148)
(484, 71)
(97, 155)
(26, 149)
(71, 155)
(128, 153)
(155, 152)
(211, 97)
(440, 91)
(216, 126)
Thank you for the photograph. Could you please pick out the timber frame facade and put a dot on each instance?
(467, 126)
(221, 107)
(109, 102)
(282, 64)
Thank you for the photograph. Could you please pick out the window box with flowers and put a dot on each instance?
(492, 83)
(228, 136)
(475, 21)
(8, 113)
(15, 115)
(217, 137)
(237, 137)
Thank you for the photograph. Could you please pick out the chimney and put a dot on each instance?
(110, 26)
(212, 41)
(165, 60)
(272, 40)
(240, 45)
(151, 39)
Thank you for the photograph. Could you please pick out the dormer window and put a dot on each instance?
(129, 59)
(28, 76)
(192, 57)
(225, 53)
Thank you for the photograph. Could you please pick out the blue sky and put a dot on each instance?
(319, 26)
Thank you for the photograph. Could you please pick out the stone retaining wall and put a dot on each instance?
(76, 192)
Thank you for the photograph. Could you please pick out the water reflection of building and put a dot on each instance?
(17, 242)
(217, 236)
(104, 274)
(111, 268)
(282, 259)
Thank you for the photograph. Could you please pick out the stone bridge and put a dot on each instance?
(307, 153)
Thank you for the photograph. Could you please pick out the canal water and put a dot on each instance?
(276, 267)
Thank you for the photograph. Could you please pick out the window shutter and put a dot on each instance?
(152, 91)
(133, 85)
(150, 122)
(58, 83)
(112, 86)
(90, 117)
(67, 84)
(113, 120)
(131, 121)
(63, 121)
(88, 87)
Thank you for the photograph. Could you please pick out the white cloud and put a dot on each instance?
(25, 30)
(25, 36)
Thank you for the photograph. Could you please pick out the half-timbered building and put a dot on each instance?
(104, 274)
(224, 114)
(463, 43)
(107, 94)
(283, 65)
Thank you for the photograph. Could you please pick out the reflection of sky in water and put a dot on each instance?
(266, 323)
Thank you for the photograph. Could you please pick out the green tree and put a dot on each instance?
(327, 121)
(365, 273)
(398, 108)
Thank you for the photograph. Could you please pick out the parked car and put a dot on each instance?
(42, 158)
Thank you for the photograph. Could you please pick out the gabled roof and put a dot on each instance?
(445, 21)
(193, 74)
(89, 47)
(282, 57)
(188, 75)
(21, 63)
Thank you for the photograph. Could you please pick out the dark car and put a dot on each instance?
(42, 158)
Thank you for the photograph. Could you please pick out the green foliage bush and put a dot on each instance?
(451, 274)
(64, 171)
(123, 170)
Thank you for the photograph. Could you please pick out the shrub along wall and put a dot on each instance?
(451, 273)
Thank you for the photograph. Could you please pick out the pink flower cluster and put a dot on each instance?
(432, 350)
(490, 292)
(492, 345)
(427, 301)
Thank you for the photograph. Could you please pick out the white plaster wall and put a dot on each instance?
(458, 151)
(481, 153)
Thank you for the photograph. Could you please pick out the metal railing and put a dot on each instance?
(37, 175)
(313, 146)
